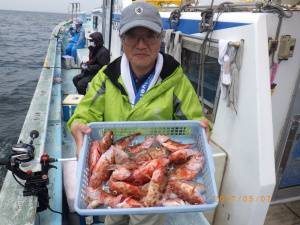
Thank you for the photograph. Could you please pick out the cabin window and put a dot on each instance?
(191, 67)
(190, 61)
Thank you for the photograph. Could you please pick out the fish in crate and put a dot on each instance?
(156, 172)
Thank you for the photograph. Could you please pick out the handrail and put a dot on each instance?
(216, 41)
(211, 40)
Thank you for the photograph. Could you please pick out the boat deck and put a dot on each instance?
(68, 88)
(284, 214)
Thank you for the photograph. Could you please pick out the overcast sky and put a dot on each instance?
(61, 6)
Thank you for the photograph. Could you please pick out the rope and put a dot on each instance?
(209, 26)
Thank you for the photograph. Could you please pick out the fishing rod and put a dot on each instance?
(35, 182)
(25, 164)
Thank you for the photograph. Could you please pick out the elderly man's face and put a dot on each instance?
(141, 46)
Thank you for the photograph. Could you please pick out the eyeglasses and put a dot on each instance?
(131, 39)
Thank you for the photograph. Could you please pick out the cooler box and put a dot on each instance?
(69, 105)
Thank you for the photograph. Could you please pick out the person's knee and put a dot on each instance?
(153, 219)
(73, 218)
(117, 220)
(74, 51)
(76, 79)
(68, 49)
(81, 87)
(82, 84)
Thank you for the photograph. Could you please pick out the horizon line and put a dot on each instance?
(34, 11)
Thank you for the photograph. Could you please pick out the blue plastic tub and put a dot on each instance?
(182, 131)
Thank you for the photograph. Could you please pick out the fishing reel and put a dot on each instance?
(35, 182)
(23, 152)
(20, 153)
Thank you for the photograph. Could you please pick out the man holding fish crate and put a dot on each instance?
(141, 85)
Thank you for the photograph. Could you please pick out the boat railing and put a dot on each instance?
(14, 207)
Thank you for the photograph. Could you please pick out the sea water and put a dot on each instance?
(24, 39)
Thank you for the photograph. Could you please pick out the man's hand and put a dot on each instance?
(78, 130)
(205, 124)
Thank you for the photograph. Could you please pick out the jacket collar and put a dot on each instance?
(113, 70)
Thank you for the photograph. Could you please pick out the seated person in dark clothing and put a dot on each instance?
(98, 57)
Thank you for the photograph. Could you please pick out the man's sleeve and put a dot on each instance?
(91, 107)
(186, 103)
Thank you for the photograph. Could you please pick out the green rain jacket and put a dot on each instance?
(173, 98)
